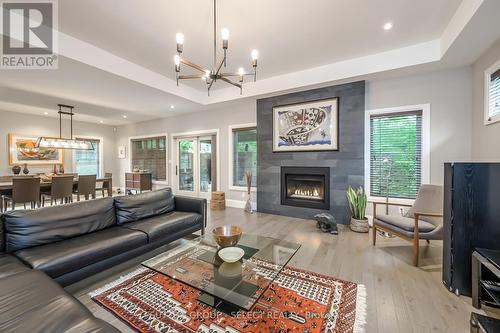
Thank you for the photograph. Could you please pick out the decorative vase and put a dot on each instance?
(359, 225)
(26, 170)
(61, 169)
(16, 169)
(54, 170)
(248, 205)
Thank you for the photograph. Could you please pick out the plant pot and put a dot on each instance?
(359, 225)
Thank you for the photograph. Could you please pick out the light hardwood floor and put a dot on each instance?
(400, 297)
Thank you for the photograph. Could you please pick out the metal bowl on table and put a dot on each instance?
(228, 235)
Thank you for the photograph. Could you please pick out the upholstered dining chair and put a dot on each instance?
(24, 190)
(100, 186)
(424, 219)
(61, 188)
(86, 187)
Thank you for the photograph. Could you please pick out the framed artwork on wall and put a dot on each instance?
(309, 126)
(22, 151)
(122, 152)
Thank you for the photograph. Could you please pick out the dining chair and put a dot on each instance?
(100, 185)
(24, 190)
(61, 188)
(424, 219)
(86, 187)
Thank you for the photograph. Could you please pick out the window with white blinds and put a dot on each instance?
(396, 154)
(244, 154)
(494, 95)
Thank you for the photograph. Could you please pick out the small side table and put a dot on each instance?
(485, 267)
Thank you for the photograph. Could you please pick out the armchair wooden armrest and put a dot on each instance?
(418, 214)
(390, 203)
(375, 203)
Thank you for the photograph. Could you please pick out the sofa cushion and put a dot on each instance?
(29, 228)
(136, 207)
(69, 255)
(10, 265)
(162, 226)
(32, 302)
(406, 223)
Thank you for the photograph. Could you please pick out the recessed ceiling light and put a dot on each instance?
(45, 113)
(388, 26)
(124, 116)
(101, 121)
(172, 106)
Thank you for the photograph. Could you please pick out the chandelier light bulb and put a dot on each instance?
(207, 73)
(177, 60)
(225, 34)
(241, 71)
(255, 54)
(179, 37)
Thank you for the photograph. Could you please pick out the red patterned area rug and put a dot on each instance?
(297, 301)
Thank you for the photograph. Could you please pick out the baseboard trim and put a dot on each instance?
(239, 204)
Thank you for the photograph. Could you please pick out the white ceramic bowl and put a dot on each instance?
(231, 254)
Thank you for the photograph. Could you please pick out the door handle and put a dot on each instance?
(176, 170)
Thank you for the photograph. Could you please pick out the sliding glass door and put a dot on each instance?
(195, 166)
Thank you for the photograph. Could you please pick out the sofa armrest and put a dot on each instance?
(192, 205)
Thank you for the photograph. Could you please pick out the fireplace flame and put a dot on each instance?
(306, 193)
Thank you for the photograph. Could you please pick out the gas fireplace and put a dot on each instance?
(305, 187)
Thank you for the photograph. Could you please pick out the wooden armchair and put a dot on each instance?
(424, 219)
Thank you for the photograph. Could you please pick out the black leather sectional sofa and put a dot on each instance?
(46, 249)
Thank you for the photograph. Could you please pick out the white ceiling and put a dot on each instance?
(97, 95)
(116, 55)
(291, 35)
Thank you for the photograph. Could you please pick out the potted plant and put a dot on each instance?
(357, 204)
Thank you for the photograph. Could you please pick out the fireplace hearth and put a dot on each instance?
(307, 187)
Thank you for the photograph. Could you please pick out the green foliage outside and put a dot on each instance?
(395, 140)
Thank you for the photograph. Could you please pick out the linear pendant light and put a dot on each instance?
(64, 143)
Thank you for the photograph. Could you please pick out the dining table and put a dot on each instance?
(6, 186)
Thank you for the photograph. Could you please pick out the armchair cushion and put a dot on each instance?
(429, 199)
(405, 223)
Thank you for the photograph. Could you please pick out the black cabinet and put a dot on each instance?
(471, 219)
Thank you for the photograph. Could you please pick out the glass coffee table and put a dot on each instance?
(226, 287)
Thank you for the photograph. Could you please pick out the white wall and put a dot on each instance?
(237, 113)
(485, 139)
(20, 123)
(449, 93)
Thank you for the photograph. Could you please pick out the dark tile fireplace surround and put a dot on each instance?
(345, 166)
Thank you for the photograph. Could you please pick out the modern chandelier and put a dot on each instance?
(64, 143)
(214, 73)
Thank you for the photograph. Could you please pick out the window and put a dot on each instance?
(88, 162)
(492, 94)
(397, 151)
(150, 153)
(243, 150)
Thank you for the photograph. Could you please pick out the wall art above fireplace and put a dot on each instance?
(311, 126)
(305, 187)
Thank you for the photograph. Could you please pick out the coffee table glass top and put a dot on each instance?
(240, 284)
